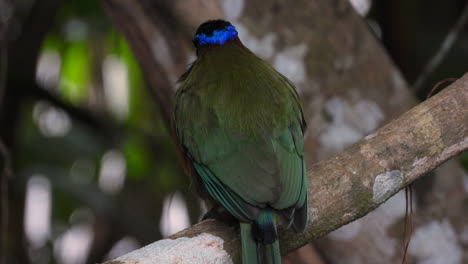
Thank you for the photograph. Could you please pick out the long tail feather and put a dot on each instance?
(269, 253)
(259, 241)
(248, 244)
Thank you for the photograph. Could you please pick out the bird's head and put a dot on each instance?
(214, 33)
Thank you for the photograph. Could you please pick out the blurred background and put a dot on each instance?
(90, 166)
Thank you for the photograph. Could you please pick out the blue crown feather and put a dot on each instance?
(218, 37)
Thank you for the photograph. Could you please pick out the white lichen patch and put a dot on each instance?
(361, 6)
(349, 122)
(400, 91)
(385, 184)
(369, 115)
(371, 136)
(464, 235)
(419, 162)
(344, 63)
(262, 47)
(365, 182)
(339, 135)
(436, 243)
(347, 232)
(383, 163)
(290, 62)
(313, 215)
(398, 81)
(160, 49)
(232, 8)
(202, 249)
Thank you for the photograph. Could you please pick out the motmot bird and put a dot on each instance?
(240, 125)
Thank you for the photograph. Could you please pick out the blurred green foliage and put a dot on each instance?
(71, 156)
(75, 76)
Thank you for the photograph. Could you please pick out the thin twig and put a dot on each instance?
(408, 221)
(437, 86)
(444, 48)
(99, 124)
(405, 227)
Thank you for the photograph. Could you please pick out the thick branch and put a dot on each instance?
(346, 186)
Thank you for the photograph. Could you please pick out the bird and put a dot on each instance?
(240, 126)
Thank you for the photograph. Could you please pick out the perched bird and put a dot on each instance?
(241, 126)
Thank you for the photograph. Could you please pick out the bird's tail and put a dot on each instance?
(260, 240)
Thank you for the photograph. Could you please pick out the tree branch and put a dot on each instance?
(140, 38)
(99, 124)
(346, 186)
